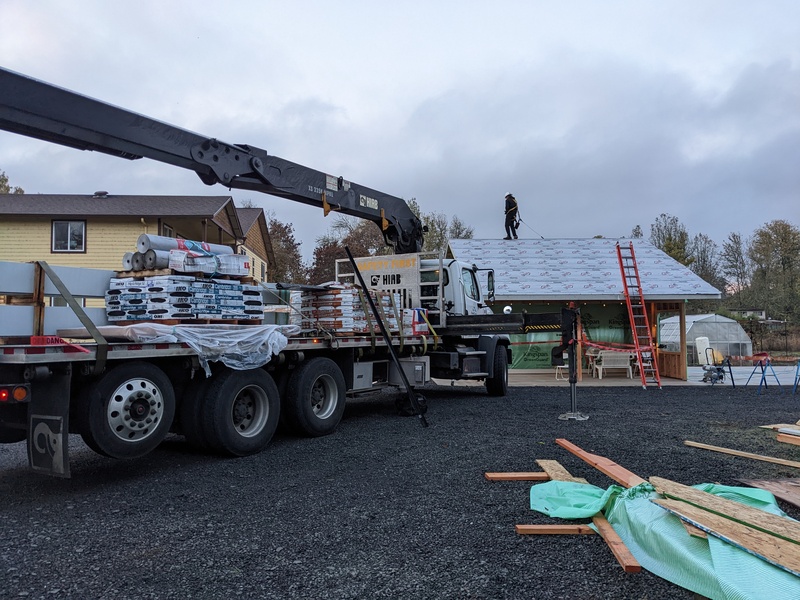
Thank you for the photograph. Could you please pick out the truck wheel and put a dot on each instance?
(128, 411)
(497, 385)
(240, 411)
(315, 398)
(11, 436)
(191, 412)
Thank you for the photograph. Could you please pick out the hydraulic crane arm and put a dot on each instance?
(40, 110)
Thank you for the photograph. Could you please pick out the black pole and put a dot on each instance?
(412, 397)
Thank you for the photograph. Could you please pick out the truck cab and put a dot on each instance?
(461, 290)
(441, 286)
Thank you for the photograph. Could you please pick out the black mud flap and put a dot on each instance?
(48, 424)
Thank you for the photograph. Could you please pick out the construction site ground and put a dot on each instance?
(383, 508)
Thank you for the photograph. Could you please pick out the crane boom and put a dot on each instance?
(41, 110)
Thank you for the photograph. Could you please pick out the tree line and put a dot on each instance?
(760, 271)
(362, 237)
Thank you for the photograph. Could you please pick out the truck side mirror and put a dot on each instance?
(490, 285)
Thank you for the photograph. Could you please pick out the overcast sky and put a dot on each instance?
(598, 116)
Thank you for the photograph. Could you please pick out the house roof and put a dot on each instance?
(578, 269)
(112, 205)
(248, 217)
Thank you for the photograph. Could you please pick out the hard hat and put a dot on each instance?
(509, 194)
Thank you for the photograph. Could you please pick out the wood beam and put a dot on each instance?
(603, 464)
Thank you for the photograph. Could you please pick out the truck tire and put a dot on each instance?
(190, 413)
(11, 436)
(128, 411)
(315, 398)
(497, 385)
(240, 411)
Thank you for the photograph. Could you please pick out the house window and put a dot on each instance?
(167, 231)
(69, 236)
(263, 271)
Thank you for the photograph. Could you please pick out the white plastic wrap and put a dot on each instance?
(239, 347)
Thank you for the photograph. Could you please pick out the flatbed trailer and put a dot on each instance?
(64, 368)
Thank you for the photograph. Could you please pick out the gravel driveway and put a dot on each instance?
(382, 509)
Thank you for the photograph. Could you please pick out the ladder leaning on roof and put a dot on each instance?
(640, 325)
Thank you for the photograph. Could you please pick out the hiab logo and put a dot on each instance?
(391, 279)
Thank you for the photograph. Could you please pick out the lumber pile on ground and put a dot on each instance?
(771, 537)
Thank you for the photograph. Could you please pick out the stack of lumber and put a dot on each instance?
(773, 538)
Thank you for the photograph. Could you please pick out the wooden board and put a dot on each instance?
(618, 548)
(788, 438)
(777, 426)
(517, 476)
(554, 529)
(557, 472)
(603, 464)
(787, 490)
(775, 525)
(778, 461)
(772, 549)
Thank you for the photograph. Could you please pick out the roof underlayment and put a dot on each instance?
(578, 269)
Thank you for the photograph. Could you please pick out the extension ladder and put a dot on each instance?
(640, 325)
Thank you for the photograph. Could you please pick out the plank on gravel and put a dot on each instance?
(788, 438)
(618, 548)
(554, 529)
(517, 476)
(775, 525)
(603, 464)
(777, 426)
(777, 461)
(557, 472)
(770, 548)
(787, 490)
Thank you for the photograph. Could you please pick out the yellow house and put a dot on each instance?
(97, 230)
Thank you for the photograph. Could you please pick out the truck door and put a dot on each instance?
(472, 292)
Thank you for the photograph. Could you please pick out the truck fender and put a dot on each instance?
(488, 343)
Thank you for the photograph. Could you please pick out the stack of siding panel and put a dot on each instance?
(181, 297)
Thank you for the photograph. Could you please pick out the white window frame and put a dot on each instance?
(76, 224)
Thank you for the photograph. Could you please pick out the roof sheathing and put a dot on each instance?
(578, 269)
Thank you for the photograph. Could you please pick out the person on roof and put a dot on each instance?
(511, 217)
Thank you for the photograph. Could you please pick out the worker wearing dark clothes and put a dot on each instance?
(511, 217)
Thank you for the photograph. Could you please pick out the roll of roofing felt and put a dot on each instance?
(127, 261)
(158, 242)
(137, 261)
(156, 259)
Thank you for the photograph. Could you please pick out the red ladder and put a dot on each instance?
(640, 325)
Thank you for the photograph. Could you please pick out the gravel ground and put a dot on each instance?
(382, 509)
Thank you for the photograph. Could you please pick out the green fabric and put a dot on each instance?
(659, 542)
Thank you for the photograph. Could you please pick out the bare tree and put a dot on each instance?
(670, 235)
(735, 264)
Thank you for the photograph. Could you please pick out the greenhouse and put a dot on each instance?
(725, 336)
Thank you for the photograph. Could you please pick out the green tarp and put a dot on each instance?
(659, 542)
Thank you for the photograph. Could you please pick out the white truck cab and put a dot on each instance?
(443, 286)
